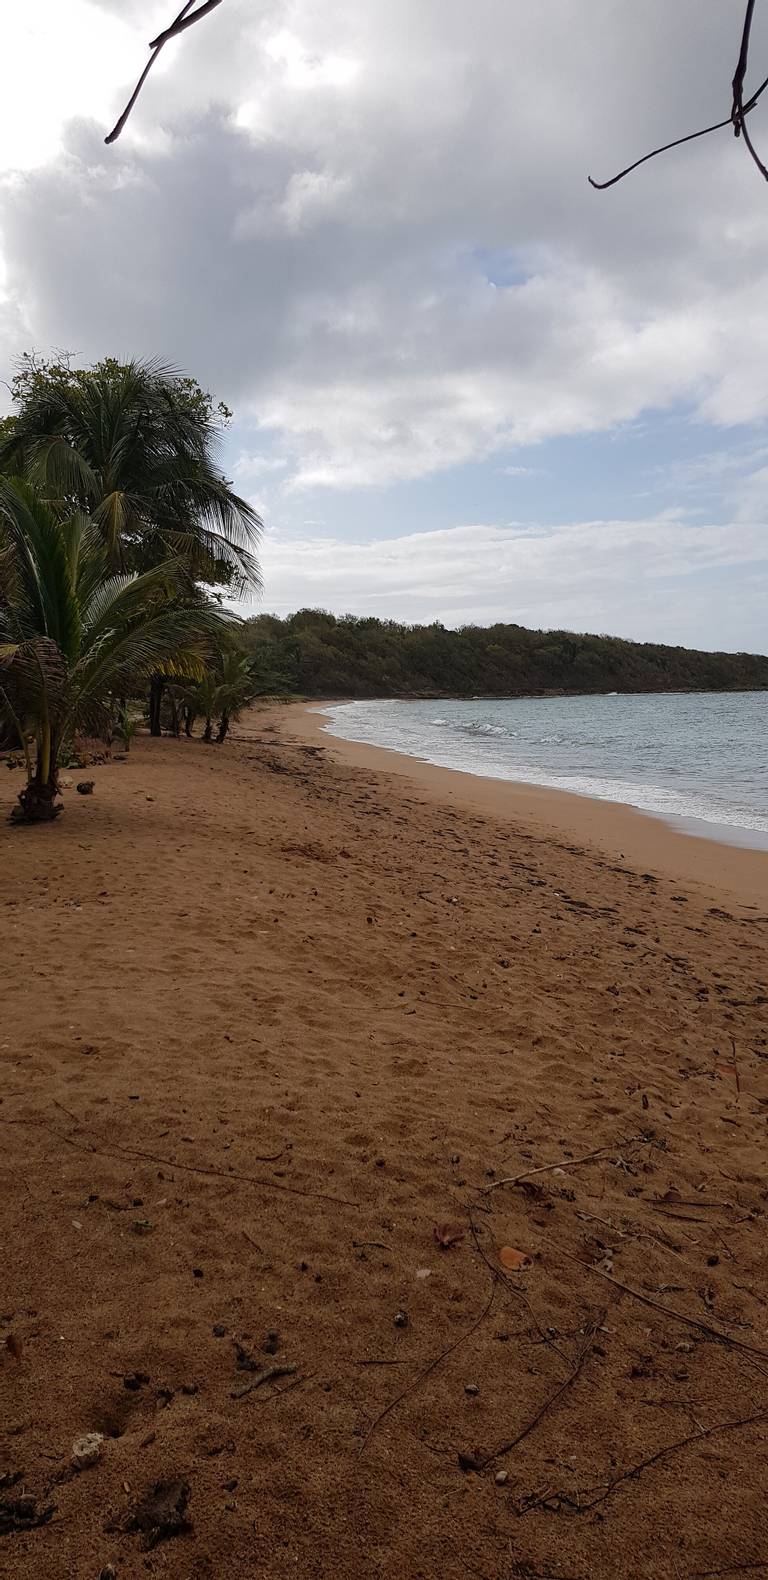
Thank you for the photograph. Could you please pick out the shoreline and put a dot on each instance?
(615, 829)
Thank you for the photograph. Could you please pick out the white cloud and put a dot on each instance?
(56, 61)
(248, 467)
(369, 227)
(659, 578)
(372, 223)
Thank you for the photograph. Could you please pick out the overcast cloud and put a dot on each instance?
(368, 228)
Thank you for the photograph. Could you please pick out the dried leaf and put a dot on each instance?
(446, 1235)
(513, 1260)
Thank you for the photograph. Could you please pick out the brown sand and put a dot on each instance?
(268, 1018)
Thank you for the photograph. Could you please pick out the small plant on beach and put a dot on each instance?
(74, 635)
(127, 725)
(228, 686)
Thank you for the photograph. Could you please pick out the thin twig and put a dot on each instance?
(737, 118)
(480, 1462)
(562, 1163)
(179, 25)
(412, 1386)
(730, 1569)
(519, 1294)
(677, 142)
(652, 1459)
(667, 1311)
(377, 1363)
(738, 111)
(736, 1070)
(187, 1168)
(269, 1375)
(66, 1111)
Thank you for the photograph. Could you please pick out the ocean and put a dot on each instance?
(699, 760)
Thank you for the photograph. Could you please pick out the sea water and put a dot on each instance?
(697, 759)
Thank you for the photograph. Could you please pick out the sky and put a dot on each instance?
(467, 387)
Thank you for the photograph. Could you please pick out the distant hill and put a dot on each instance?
(317, 654)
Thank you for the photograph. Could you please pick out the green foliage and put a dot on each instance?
(134, 445)
(75, 635)
(316, 654)
(228, 685)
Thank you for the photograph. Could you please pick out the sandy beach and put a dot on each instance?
(278, 1019)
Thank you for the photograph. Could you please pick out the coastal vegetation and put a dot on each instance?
(120, 539)
(119, 536)
(313, 653)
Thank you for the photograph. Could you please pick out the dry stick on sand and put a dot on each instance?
(187, 1168)
(562, 1163)
(270, 1374)
(643, 1464)
(412, 1386)
(668, 1311)
(519, 1294)
(731, 1569)
(480, 1462)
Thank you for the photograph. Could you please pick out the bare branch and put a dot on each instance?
(179, 25)
(600, 186)
(737, 118)
(739, 110)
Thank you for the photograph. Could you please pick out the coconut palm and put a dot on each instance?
(135, 446)
(227, 687)
(74, 634)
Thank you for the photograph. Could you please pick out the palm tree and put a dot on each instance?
(134, 445)
(227, 687)
(74, 634)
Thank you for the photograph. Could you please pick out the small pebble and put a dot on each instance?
(471, 1389)
(219, 1330)
(501, 1478)
(401, 1319)
(229, 1486)
(86, 1450)
(108, 1573)
(197, 1272)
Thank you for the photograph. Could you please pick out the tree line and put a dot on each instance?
(316, 654)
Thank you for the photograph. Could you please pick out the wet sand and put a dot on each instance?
(713, 865)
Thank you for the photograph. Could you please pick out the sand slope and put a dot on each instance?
(266, 1020)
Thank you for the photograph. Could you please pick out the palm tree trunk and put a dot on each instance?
(208, 731)
(189, 719)
(175, 722)
(223, 727)
(157, 686)
(37, 802)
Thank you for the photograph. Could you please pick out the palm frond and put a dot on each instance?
(45, 598)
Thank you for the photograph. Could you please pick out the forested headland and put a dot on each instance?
(316, 654)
